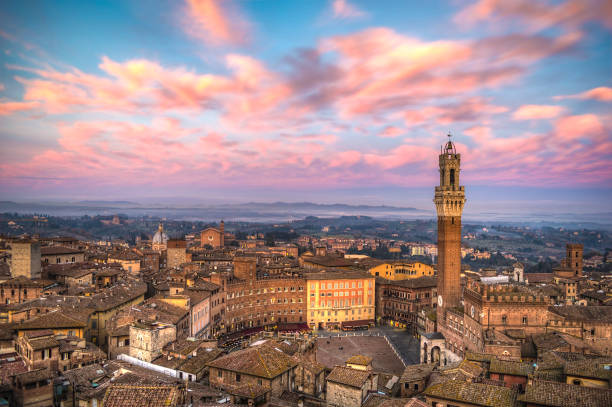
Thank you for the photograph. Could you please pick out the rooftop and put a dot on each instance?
(565, 395)
(475, 393)
(121, 395)
(263, 361)
(348, 376)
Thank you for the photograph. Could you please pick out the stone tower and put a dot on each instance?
(574, 257)
(449, 199)
(25, 259)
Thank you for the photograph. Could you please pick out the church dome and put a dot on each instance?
(160, 237)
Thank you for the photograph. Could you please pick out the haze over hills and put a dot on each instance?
(284, 211)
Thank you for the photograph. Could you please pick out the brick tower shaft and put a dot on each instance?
(449, 199)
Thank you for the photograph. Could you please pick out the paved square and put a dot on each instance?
(335, 351)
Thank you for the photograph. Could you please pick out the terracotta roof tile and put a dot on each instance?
(262, 361)
(348, 377)
(565, 395)
(474, 393)
(118, 395)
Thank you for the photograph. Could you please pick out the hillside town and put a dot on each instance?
(209, 319)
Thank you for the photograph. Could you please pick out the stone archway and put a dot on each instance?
(435, 355)
(433, 349)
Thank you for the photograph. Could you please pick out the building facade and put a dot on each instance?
(336, 299)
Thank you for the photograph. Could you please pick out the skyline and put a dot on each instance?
(328, 99)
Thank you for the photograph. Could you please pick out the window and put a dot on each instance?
(504, 319)
(220, 373)
(525, 320)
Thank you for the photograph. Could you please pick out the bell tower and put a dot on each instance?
(449, 199)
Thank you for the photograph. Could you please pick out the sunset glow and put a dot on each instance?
(175, 98)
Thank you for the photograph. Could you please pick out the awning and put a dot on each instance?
(358, 323)
(293, 327)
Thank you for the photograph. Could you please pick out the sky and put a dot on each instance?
(323, 101)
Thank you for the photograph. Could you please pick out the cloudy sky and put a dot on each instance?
(343, 100)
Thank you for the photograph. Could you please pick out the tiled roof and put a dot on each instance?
(469, 368)
(51, 320)
(378, 400)
(328, 261)
(417, 372)
(348, 377)
(565, 395)
(474, 393)
(312, 366)
(34, 376)
(43, 343)
(57, 250)
(414, 402)
(135, 396)
(601, 313)
(511, 368)
(263, 361)
(248, 390)
(337, 275)
(538, 277)
(590, 368)
(419, 282)
(479, 357)
(198, 362)
(359, 360)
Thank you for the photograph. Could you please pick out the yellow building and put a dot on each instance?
(401, 270)
(56, 321)
(340, 299)
(129, 261)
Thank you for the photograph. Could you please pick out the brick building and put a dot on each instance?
(20, 289)
(213, 237)
(254, 300)
(510, 309)
(399, 302)
(254, 375)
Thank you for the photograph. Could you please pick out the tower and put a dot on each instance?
(449, 199)
(573, 257)
(25, 259)
(222, 237)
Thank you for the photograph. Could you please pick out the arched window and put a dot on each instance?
(452, 176)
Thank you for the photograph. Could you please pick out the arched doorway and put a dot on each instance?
(435, 355)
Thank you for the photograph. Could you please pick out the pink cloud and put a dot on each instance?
(343, 9)
(345, 158)
(602, 94)
(390, 132)
(217, 22)
(577, 151)
(571, 14)
(531, 112)
(7, 108)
